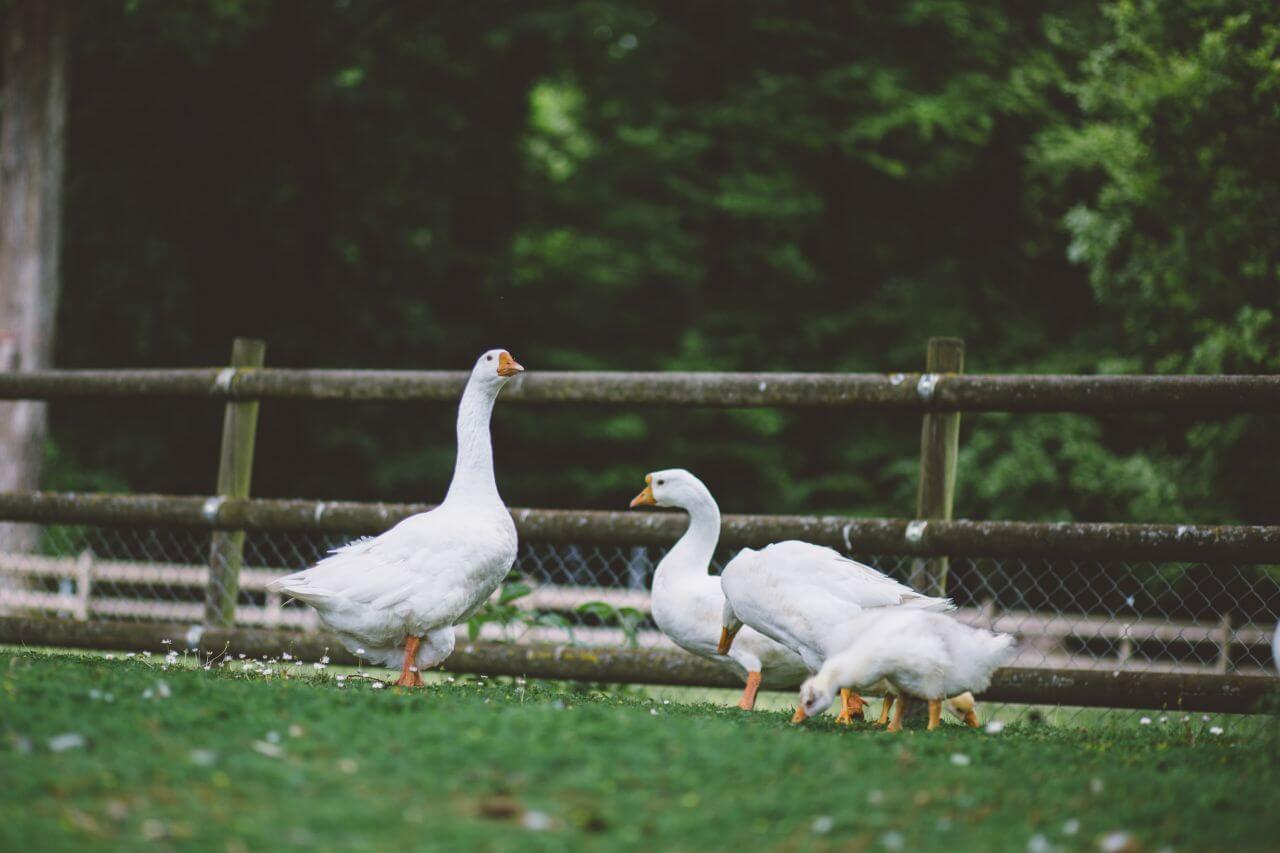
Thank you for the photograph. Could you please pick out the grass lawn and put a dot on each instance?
(98, 752)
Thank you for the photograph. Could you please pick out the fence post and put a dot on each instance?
(939, 446)
(235, 467)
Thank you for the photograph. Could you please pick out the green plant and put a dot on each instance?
(628, 619)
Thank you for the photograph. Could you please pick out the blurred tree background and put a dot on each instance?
(621, 184)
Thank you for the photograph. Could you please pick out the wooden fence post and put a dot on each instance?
(939, 447)
(235, 468)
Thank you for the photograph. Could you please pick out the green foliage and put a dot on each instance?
(628, 619)
(229, 757)
(631, 184)
(1181, 238)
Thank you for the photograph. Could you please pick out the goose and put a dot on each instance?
(919, 653)
(394, 599)
(802, 596)
(686, 600)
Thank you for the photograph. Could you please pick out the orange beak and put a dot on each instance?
(645, 498)
(726, 640)
(799, 716)
(508, 366)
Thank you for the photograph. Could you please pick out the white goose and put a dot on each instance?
(802, 595)
(918, 653)
(687, 601)
(395, 598)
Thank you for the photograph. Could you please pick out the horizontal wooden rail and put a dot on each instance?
(1091, 688)
(904, 392)
(1171, 542)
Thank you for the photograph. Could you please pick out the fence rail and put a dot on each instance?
(902, 392)
(1085, 688)
(1257, 544)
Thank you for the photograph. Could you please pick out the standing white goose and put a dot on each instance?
(802, 595)
(920, 654)
(687, 601)
(395, 598)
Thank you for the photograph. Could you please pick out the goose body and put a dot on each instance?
(920, 654)
(395, 598)
(801, 595)
(687, 602)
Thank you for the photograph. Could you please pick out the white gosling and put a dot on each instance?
(687, 601)
(801, 595)
(394, 599)
(920, 654)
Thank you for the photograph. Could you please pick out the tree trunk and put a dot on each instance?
(31, 156)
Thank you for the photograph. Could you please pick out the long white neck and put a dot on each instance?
(691, 555)
(473, 471)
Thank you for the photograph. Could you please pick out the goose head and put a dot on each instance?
(674, 487)
(493, 370)
(816, 695)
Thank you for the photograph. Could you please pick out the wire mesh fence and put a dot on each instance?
(1069, 614)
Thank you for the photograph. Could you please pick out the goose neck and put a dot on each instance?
(473, 471)
(692, 554)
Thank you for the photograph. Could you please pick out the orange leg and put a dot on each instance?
(409, 675)
(935, 713)
(748, 700)
(851, 707)
(884, 709)
(971, 719)
(896, 725)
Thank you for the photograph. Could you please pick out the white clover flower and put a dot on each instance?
(109, 656)
(893, 840)
(324, 659)
(822, 825)
(65, 741)
(1215, 730)
(1115, 841)
(202, 757)
(378, 685)
(270, 750)
(994, 727)
(1146, 721)
(959, 759)
(1070, 826)
(536, 821)
(287, 656)
(1038, 844)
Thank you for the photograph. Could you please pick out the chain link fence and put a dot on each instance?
(1071, 614)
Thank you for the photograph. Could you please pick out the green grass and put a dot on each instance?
(231, 760)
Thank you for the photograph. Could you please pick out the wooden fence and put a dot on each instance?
(940, 394)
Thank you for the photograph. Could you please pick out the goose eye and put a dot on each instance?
(488, 358)
(660, 482)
